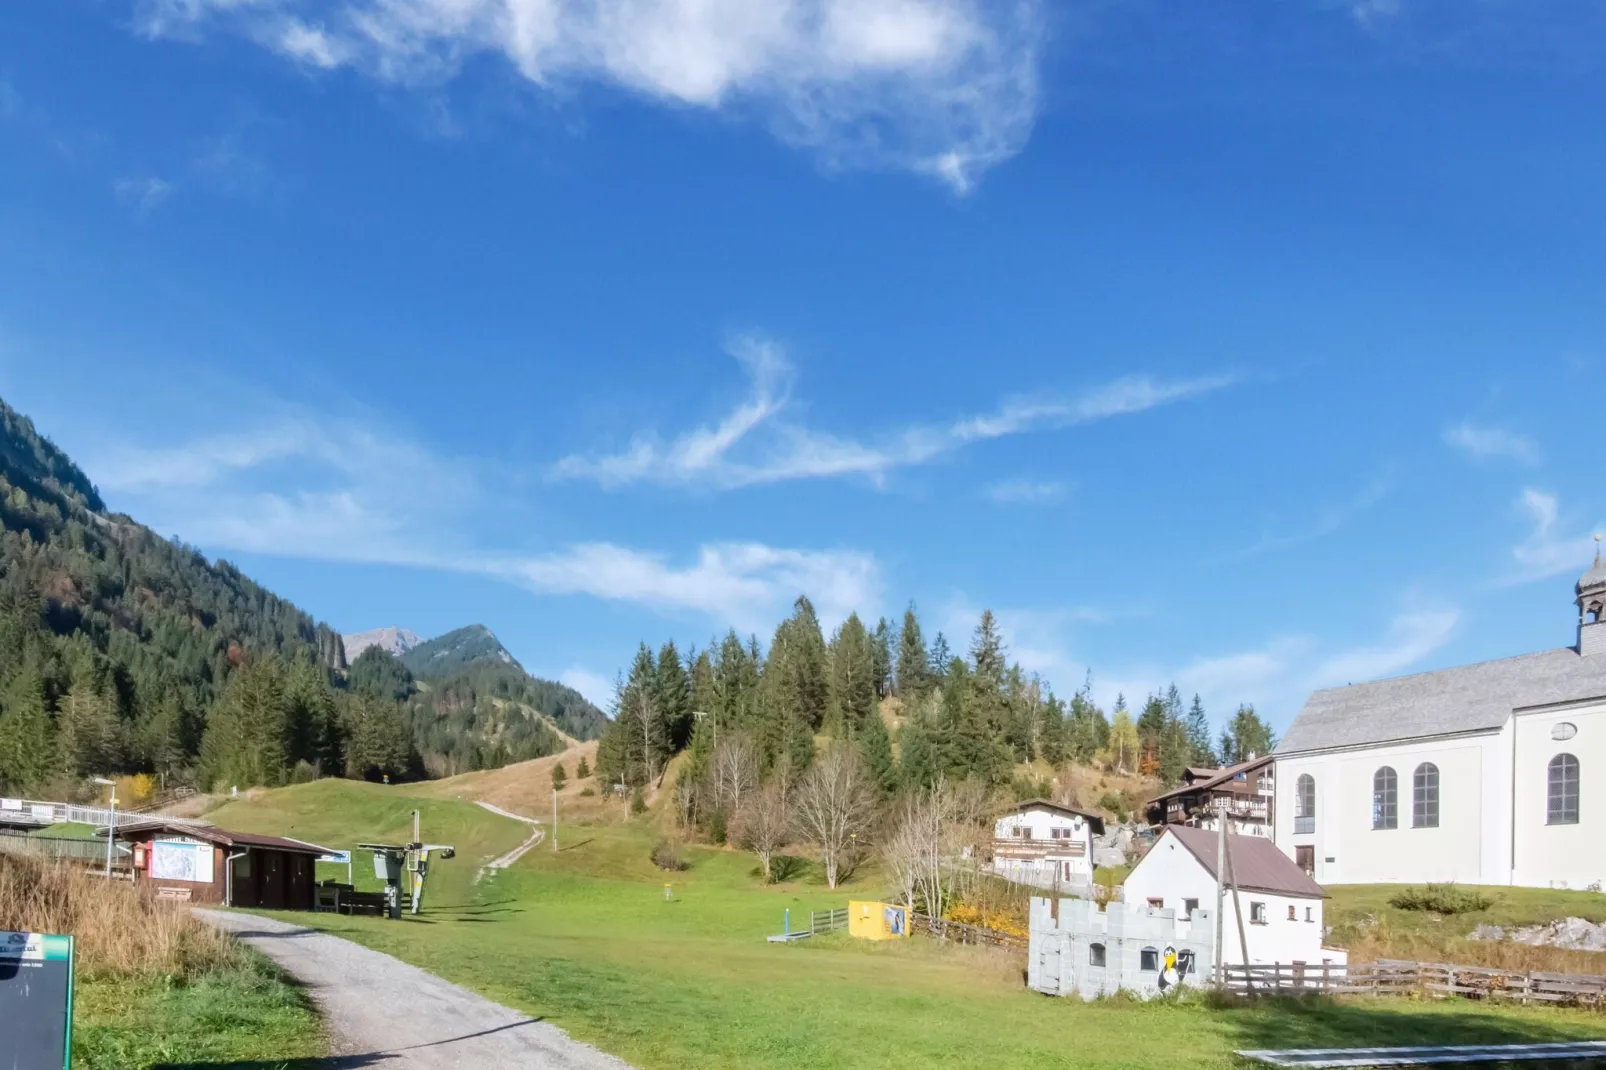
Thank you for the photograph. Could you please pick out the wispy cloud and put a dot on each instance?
(942, 87)
(1411, 637)
(1331, 519)
(1485, 443)
(756, 442)
(1373, 13)
(143, 195)
(1026, 491)
(597, 688)
(1548, 551)
(299, 485)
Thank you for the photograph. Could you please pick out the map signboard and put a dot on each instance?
(36, 990)
(181, 860)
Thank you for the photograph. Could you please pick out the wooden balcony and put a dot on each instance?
(1035, 850)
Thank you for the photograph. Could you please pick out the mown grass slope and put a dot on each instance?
(586, 938)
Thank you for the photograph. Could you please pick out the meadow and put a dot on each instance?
(585, 937)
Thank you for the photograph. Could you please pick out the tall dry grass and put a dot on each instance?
(120, 929)
(1383, 940)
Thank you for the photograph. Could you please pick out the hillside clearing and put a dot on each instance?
(585, 937)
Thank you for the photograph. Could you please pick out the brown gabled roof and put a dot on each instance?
(221, 837)
(1257, 864)
(1092, 818)
(1219, 777)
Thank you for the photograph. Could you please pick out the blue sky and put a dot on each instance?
(1254, 345)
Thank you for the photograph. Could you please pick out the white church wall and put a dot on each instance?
(1562, 855)
(1469, 844)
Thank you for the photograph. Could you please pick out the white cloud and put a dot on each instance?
(1026, 491)
(1484, 443)
(1373, 13)
(1412, 636)
(942, 87)
(756, 443)
(1331, 519)
(748, 585)
(597, 688)
(144, 195)
(1547, 552)
(302, 486)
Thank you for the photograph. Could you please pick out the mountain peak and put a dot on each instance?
(397, 641)
(445, 654)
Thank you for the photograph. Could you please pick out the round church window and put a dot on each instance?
(1564, 730)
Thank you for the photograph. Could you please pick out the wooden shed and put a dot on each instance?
(206, 864)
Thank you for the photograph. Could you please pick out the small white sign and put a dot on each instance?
(10, 804)
(342, 858)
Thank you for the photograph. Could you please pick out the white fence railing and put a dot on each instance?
(35, 812)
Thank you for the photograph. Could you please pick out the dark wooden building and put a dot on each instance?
(1244, 791)
(206, 864)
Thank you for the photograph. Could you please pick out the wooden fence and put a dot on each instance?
(961, 933)
(1431, 979)
(825, 921)
(56, 847)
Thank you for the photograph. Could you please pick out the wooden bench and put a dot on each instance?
(173, 895)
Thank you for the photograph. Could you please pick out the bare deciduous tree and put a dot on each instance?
(836, 806)
(735, 772)
(764, 824)
(935, 843)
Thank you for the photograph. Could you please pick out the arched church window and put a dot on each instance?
(1561, 798)
(1305, 804)
(1385, 799)
(1425, 797)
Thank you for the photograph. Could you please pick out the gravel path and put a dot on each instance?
(537, 834)
(383, 1012)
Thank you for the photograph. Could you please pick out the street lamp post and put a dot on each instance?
(111, 823)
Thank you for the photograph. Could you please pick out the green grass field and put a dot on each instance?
(585, 938)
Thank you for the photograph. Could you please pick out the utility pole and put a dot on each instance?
(554, 820)
(1221, 888)
(1238, 913)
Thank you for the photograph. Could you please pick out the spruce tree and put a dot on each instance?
(919, 765)
(914, 666)
(1199, 735)
(853, 684)
(89, 734)
(1052, 742)
(881, 655)
(247, 739)
(875, 743)
(583, 769)
(559, 777)
(941, 659)
(27, 736)
(672, 691)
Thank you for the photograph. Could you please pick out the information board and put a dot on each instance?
(181, 860)
(36, 990)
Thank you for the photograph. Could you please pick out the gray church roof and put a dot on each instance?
(1471, 698)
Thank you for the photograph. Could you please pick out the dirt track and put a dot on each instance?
(383, 1012)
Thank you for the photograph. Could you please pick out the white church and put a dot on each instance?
(1472, 774)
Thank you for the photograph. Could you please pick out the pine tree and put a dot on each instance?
(559, 777)
(1199, 735)
(1249, 736)
(89, 735)
(881, 658)
(914, 666)
(941, 659)
(1052, 741)
(378, 742)
(672, 692)
(875, 744)
(27, 737)
(919, 765)
(1124, 743)
(583, 770)
(853, 683)
(247, 737)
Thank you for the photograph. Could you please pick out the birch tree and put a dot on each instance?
(764, 825)
(735, 772)
(836, 810)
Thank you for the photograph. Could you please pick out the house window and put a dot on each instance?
(1149, 960)
(1257, 913)
(1188, 907)
(1561, 799)
(1156, 904)
(1184, 963)
(1304, 804)
(1095, 954)
(1310, 915)
(1425, 797)
(1067, 871)
(1292, 914)
(1385, 799)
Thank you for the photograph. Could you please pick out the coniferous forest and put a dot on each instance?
(121, 651)
(749, 717)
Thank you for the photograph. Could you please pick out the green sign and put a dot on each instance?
(36, 990)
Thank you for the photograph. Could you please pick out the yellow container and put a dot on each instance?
(877, 921)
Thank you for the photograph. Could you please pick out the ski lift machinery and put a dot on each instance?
(403, 868)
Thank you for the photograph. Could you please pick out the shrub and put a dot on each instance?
(559, 777)
(1114, 804)
(303, 773)
(666, 855)
(120, 928)
(1029, 788)
(718, 827)
(1441, 899)
(582, 770)
(638, 802)
(587, 792)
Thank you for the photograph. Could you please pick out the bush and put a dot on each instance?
(1441, 899)
(718, 829)
(304, 773)
(1114, 804)
(666, 855)
(638, 802)
(582, 770)
(1028, 788)
(586, 792)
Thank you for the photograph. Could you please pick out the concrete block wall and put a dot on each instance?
(1060, 961)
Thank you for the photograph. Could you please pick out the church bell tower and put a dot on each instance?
(1592, 607)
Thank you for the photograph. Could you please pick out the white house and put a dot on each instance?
(1281, 905)
(1046, 845)
(1473, 774)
